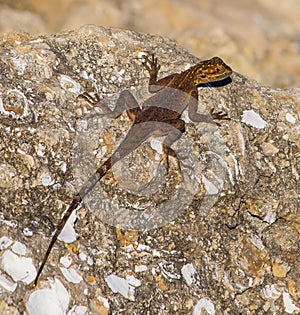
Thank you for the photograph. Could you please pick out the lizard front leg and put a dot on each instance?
(153, 68)
(126, 102)
(197, 117)
(151, 64)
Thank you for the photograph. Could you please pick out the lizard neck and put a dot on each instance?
(185, 81)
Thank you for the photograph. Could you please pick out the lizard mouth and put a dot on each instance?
(219, 78)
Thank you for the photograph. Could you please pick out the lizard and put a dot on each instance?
(159, 115)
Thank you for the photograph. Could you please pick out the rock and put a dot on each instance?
(230, 245)
(260, 38)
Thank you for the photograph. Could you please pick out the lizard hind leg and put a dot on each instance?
(126, 102)
(170, 152)
(176, 128)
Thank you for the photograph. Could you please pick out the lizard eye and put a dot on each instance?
(218, 69)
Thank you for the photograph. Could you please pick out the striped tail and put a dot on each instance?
(136, 135)
(88, 186)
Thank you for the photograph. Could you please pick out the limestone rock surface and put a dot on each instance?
(230, 248)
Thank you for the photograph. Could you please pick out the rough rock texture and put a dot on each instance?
(233, 250)
(260, 38)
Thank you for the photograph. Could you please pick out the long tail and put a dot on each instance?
(88, 186)
(136, 135)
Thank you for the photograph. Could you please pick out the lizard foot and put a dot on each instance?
(151, 65)
(94, 99)
(218, 116)
(91, 99)
(168, 152)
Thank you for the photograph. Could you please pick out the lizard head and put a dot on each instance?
(211, 70)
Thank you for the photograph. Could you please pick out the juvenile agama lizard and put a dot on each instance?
(159, 115)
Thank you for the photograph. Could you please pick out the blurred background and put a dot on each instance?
(258, 38)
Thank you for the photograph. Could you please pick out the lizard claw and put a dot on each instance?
(151, 64)
(91, 99)
(94, 99)
(218, 115)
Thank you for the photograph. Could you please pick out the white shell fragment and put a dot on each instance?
(250, 117)
(118, 285)
(7, 284)
(27, 232)
(46, 179)
(19, 248)
(90, 260)
(66, 261)
(78, 310)
(123, 286)
(68, 234)
(69, 84)
(20, 64)
(270, 292)
(20, 110)
(71, 275)
(51, 301)
(291, 119)
(5, 242)
(19, 268)
(156, 145)
(188, 271)
(140, 268)
(290, 307)
(82, 256)
(204, 305)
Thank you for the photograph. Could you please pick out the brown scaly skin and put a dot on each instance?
(172, 95)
